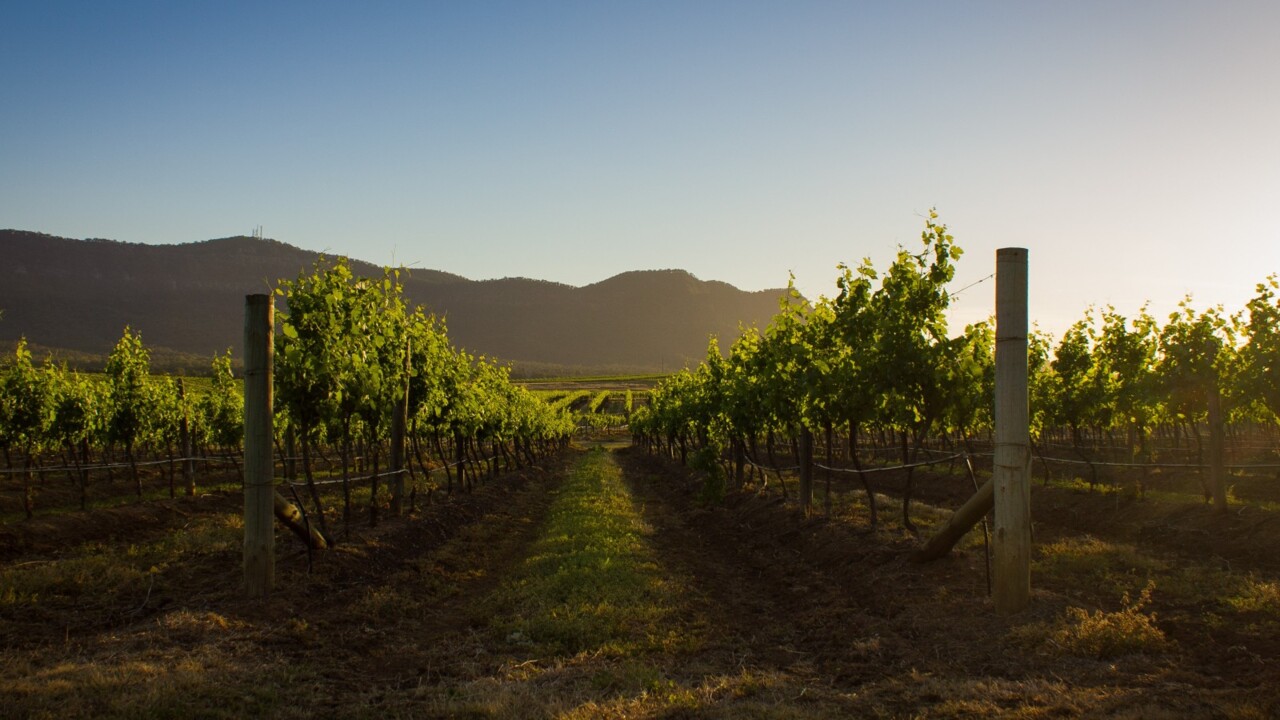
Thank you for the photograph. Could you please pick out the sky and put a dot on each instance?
(1133, 147)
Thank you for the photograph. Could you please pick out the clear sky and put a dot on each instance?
(1133, 147)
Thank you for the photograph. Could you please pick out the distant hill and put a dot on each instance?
(188, 300)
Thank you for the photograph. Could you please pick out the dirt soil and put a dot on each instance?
(923, 640)
(790, 617)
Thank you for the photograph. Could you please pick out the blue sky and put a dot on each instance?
(1133, 147)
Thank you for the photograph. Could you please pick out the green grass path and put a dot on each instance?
(591, 583)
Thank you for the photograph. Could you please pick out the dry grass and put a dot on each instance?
(1099, 634)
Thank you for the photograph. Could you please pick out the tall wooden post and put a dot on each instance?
(399, 422)
(1011, 475)
(259, 469)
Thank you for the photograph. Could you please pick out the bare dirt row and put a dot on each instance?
(890, 638)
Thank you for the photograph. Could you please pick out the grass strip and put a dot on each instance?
(591, 583)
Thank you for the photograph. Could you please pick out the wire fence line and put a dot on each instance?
(1132, 464)
(948, 457)
(388, 473)
(118, 466)
(1197, 466)
(335, 481)
(750, 461)
(872, 450)
(926, 463)
(855, 471)
(228, 459)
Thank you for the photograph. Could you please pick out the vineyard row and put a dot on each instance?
(876, 363)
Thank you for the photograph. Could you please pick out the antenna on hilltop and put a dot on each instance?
(257, 232)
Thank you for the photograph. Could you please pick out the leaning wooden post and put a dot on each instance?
(259, 468)
(961, 522)
(1011, 475)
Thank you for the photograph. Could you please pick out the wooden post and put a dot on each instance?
(259, 469)
(399, 421)
(1011, 474)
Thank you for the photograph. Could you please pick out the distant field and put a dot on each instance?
(598, 403)
(596, 383)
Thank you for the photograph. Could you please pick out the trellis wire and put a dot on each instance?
(405, 471)
(116, 466)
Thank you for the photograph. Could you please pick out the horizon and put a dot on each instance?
(1130, 148)
(954, 329)
(391, 267)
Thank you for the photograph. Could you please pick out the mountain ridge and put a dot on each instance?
(188, 298)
